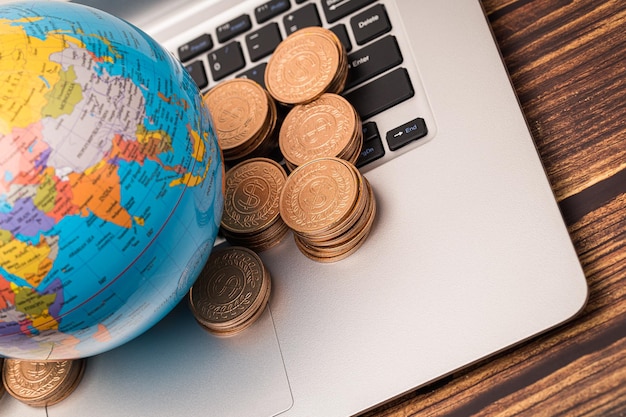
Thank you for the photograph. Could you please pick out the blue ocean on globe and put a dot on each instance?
(110, 181)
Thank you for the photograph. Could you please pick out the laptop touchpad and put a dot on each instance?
(177, 369)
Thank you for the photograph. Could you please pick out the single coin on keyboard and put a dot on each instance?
(306, 64)
(231, 292)
(245, 118)
(41, 383)
(329, 206)
(327, 126)
(251, 215)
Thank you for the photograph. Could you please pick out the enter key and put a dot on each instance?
(372, 60)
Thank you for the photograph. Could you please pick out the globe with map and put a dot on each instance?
(110, 181)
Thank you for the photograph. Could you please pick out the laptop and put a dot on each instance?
(468, 255)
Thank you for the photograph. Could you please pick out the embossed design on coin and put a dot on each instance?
(237, 107)
(251, 205)
(306, 64)
(330, 207)
(245, 117)
(252, 191)
(318, 195)
(326, 127)
(234, 282)
(231, 291)
(41, 383)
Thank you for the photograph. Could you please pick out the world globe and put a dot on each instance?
(110, 181)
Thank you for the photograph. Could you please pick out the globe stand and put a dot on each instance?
(41, 383)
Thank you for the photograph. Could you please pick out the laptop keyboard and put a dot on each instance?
(378, 79)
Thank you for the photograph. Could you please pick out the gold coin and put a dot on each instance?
(345, 229)
(264, 143)
(41, 383)
(240, 110)
(339, 235)
(252, 194)
(342, 248)
(251, 215)
(304, 65)
(261, 241)
(230, 290)
(244, 324)
(328, 126)
(318, 196)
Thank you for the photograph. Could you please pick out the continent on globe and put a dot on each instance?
(110, 181)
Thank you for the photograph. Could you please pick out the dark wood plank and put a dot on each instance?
(567, 61)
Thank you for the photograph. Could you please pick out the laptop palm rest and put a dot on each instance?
(177, 369)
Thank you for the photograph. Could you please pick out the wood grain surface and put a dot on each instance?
(567, 61)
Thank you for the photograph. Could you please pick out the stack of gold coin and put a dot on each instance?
(41, 383)
(306, 64)
(231, 292)
(251, 216)
(326, 127)
(329, 206)
(245, 118)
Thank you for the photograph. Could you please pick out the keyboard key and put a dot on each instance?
(407, 133)
(192, 49)
(336, 9)
(256, 74)
(342, 33)
(303, 17)
(372, 145)
(370, 24)
(262, 42)
(226, 60)
(372, 60)
(235, 27)
(197, 72)
(272, 8)
(382, 93)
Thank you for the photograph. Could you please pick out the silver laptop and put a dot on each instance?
(468, 255)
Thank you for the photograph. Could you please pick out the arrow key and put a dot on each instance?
(407, 133)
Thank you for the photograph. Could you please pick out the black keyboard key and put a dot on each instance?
(303, 17)
(235, 27)
(372, 60)
(226, 60)
(301, 1)
(256, 74)
(372, 145)
(382, 93)
(262, 42)
(407, 133)
(342, 33)
(197, 72)
(336, 9)
(370, 24)
(272, 8)
(192, 49)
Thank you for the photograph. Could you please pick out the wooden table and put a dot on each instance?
(567, 61)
